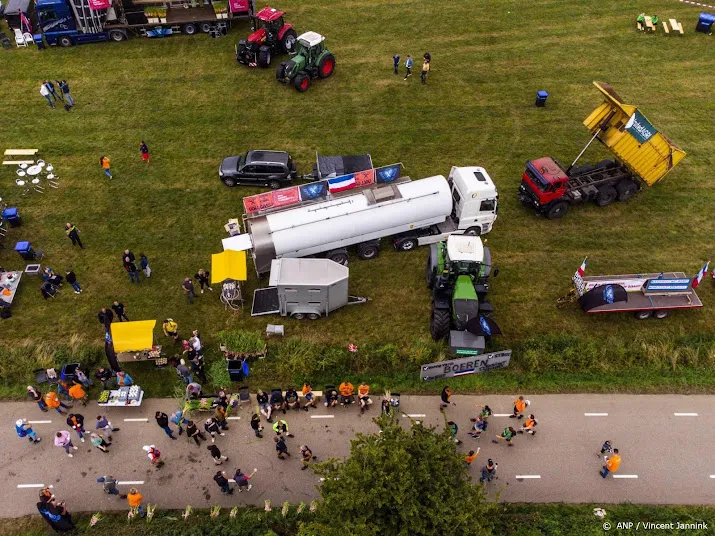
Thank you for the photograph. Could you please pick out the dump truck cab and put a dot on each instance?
(475, 199)
(544, 180)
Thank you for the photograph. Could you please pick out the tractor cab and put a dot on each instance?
(266, 25)
(310, 46)
(270, 36)
(544, 180)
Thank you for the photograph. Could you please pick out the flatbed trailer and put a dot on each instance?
(648, 295)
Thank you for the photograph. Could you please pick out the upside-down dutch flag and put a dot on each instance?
(701, 273)
(338, 184)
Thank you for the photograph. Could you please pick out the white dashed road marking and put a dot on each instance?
(322, 416)
(20, 486)
(145, 419)
(414, 415)
(502, 414)
(595, 414)
(233, 418)
(130, 482)
(39, 422)
(685, 414)
(625, 476)
(527, 476)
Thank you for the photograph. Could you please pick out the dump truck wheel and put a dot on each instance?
(626, 189)
(439, 324)
(557, 210)
(288, 41)
(606, 196)
(660, 315)
(642, 315)
(302, 82)
(264, 56)
(326, 66)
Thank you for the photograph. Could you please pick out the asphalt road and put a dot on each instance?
(666, 442)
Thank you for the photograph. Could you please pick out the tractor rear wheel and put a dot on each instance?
(606, 196)
(301, 82)
(557, 210)
(264, 56)
(439, 324)
(626, 189)
(288, 41)
(326, 66)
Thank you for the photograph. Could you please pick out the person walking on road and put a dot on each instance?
(120, 311)
(77, 393)
(519, 406)
(212, 427)
(202, 276)
(469, 458)
(308, 395)
(109, 485)
(178, 419)
(256, 425)
(194, 433)
(408, 66)
(134, 498)
(53, 402)
(606, 448)
(489, 471)
(144, 150)
(98, 441)
(171, 329)
(188, 288)
(163, 421)
(480, 425)
(154, 456)
(612, 464)
(242, 480)
(76, 422)
(396, 63)
(104, 162)
(223, 483)
(144, 265)
(63, 439)
(45, 92)
(23, 429)
(36, 396)
(220, 416)
(216, 454)
(529, 424)
(508, 434)
(281, 447)
(306, 455)
(103, 425)
(445, 396)
(73, 234)
(281, 427)
(453, 429)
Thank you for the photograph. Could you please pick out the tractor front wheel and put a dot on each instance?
(439, 324)
(301, 82)
(326, 66)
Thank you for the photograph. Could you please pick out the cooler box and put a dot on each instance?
(12, 216)
(541, 97)
(25, 250)
(237, 369)
(705, 23)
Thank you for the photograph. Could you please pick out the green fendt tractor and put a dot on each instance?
(458, 272)
(310, 60)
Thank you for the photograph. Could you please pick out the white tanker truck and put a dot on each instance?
(413, 213)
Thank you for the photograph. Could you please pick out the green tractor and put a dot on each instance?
(310, 60)
(458, 273)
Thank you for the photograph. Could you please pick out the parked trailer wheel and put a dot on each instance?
(313, 316)
(606, 196)
(65, 41)
(298, 316)
(626, 189)
(339, 255)
(642, 315)
(406, 244)
(302, 82)
(264, 57)
(117, 36)
(368, 251)
(326, 66)
(557, 210)
(205, 27)
(189, 29)
(660, 315)
(439, 324)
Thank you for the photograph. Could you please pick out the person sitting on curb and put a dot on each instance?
(264, 405)
(346, 393)
(291, 400)
(308, 395)
(331, 398)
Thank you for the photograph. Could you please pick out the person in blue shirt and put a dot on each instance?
(408, 65)
(124, 379)
(25, 430)
(178, 419)
(396, 62)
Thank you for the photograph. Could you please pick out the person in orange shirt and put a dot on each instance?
(612, 464)
(364, 396)
(77, 393)
(308, 395)
(134, 498)
(346, 393)
(104, 162)
(519, 406)
(53, 402)
(469, 458)
(529, 424)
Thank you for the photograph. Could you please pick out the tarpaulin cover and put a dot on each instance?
(132, 336)
(228, 265)
(602, 295)
(335, 166)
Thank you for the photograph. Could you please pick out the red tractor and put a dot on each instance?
(271, 36)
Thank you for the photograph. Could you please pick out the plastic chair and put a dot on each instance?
(19, 38)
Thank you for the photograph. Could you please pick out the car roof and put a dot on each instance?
(279, 157)
(269, 14)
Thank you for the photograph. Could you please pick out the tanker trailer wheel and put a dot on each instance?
(368, 251)
(298, 316)
(439, 323)
(339, 255)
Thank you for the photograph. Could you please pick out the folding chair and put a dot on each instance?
(19, 38)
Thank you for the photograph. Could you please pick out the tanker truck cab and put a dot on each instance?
(474, 198)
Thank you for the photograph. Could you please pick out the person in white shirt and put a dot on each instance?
(45, 92)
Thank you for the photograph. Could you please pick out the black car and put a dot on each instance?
(258, 168)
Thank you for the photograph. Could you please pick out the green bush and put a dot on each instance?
(242, 341)
(218, 374)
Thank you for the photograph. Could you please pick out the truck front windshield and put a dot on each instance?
(538, 180)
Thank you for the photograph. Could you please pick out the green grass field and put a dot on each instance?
(193, 105)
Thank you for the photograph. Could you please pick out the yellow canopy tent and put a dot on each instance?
(228, 265)
(133, 336)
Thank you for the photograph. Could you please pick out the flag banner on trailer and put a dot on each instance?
(238, 6)
(364, 178)
(387, 173)
(96, 5)
(314, 190)
(275, 199)
(640, 128)
(602, 295)
(342, 183)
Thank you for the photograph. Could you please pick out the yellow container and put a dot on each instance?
(631, 138)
